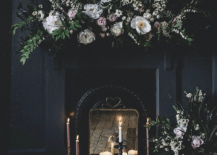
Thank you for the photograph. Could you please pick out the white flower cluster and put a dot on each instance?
(126, 2)
(159, 5)
(138, 6)
(164, 26)
(190, 10)
(179, 32)
(176, 145)
(133, 37)
(198, 97)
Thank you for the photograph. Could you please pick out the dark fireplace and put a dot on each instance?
(133, 86)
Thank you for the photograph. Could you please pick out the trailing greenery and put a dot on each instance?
(32, 41)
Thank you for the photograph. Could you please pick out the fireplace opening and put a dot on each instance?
(141, 82)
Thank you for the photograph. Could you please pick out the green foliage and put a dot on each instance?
(20, 25)
(32, 41)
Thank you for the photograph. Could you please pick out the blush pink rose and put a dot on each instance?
(112, 17)
(72, 13)
(67, 2)
(104, 29)
(178, 131)
(102, 35)
(101, 21)
(196, 143)
(157, 25)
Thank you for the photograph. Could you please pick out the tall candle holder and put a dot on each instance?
(68, 151)
(120, 147)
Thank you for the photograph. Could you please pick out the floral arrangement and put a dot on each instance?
(144, 21)
(195, 131)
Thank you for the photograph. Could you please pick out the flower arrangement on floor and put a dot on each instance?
(143, 21)
(195, 131)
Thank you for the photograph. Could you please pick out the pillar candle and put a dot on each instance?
(147, 137)
(68, 133)
(132, 152)
(120, 130)
(124, 153)
(77, 145)
(105, 153)
(112, 148)
(147, 134)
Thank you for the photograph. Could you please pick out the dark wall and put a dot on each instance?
(5, 63)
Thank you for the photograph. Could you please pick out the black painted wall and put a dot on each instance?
(5, 65)
(38, 99)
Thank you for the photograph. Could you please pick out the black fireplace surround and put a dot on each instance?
(46, 90)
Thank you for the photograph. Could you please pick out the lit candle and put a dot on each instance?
(120, 130)
(68, 133)
(147, 134)
(112, 148)
(77, 145)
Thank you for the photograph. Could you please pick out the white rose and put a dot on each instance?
(189, 95)
(141, 25)
(117, 29)
(93, 10)
(53, 22)
(86, 37)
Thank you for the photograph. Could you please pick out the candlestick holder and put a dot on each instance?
(68, 151)
(120, 147)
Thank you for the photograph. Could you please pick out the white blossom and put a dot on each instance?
(197, 127)
(53, 22)
(196, 141)
(141, 25)
(118, 13)
(40, 15)
(147, 15)
(183, 123)
(93, 10)
(117, 29)
(189, 95)
(86, 37)
(125, 2)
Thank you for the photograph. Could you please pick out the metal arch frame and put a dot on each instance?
(92, 91)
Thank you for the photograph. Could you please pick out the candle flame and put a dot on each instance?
(120, 119)
(68, 120)
(77, 137)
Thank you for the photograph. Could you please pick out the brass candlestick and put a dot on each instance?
(68, 151)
